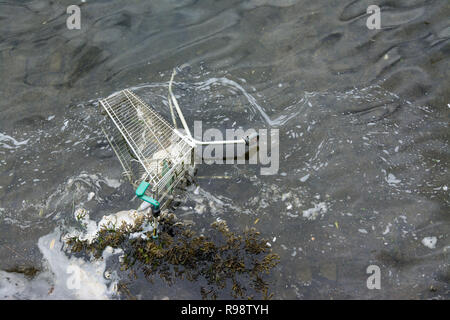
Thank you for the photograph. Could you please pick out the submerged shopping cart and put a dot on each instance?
(154, 154)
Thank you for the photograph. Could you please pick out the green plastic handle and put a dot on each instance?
(140, 192)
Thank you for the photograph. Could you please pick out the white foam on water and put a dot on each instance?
(91, 228)
(429, 242)
(80, 188)
(9, 142)
(312, 213)
(113, 183)
(16, 286)
(392, 180)
(66, 123)
(63, 277)
(67, 277)
(304, 178)
(91, 195)
(388, 229)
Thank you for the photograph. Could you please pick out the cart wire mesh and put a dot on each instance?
(147, 146)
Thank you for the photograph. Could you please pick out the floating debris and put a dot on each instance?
(392, 180)
(304, 178)
(312, 213)
(28, 271)
(429, 242)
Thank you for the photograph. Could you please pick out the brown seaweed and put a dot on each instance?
(224, 258)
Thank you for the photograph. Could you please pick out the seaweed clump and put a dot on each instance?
(28, 271)
(224, 259)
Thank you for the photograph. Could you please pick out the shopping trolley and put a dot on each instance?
(154, 154)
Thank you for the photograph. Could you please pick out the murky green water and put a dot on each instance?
(363, 118)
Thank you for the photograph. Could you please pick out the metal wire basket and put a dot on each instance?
(146, 144)
(154, 154)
